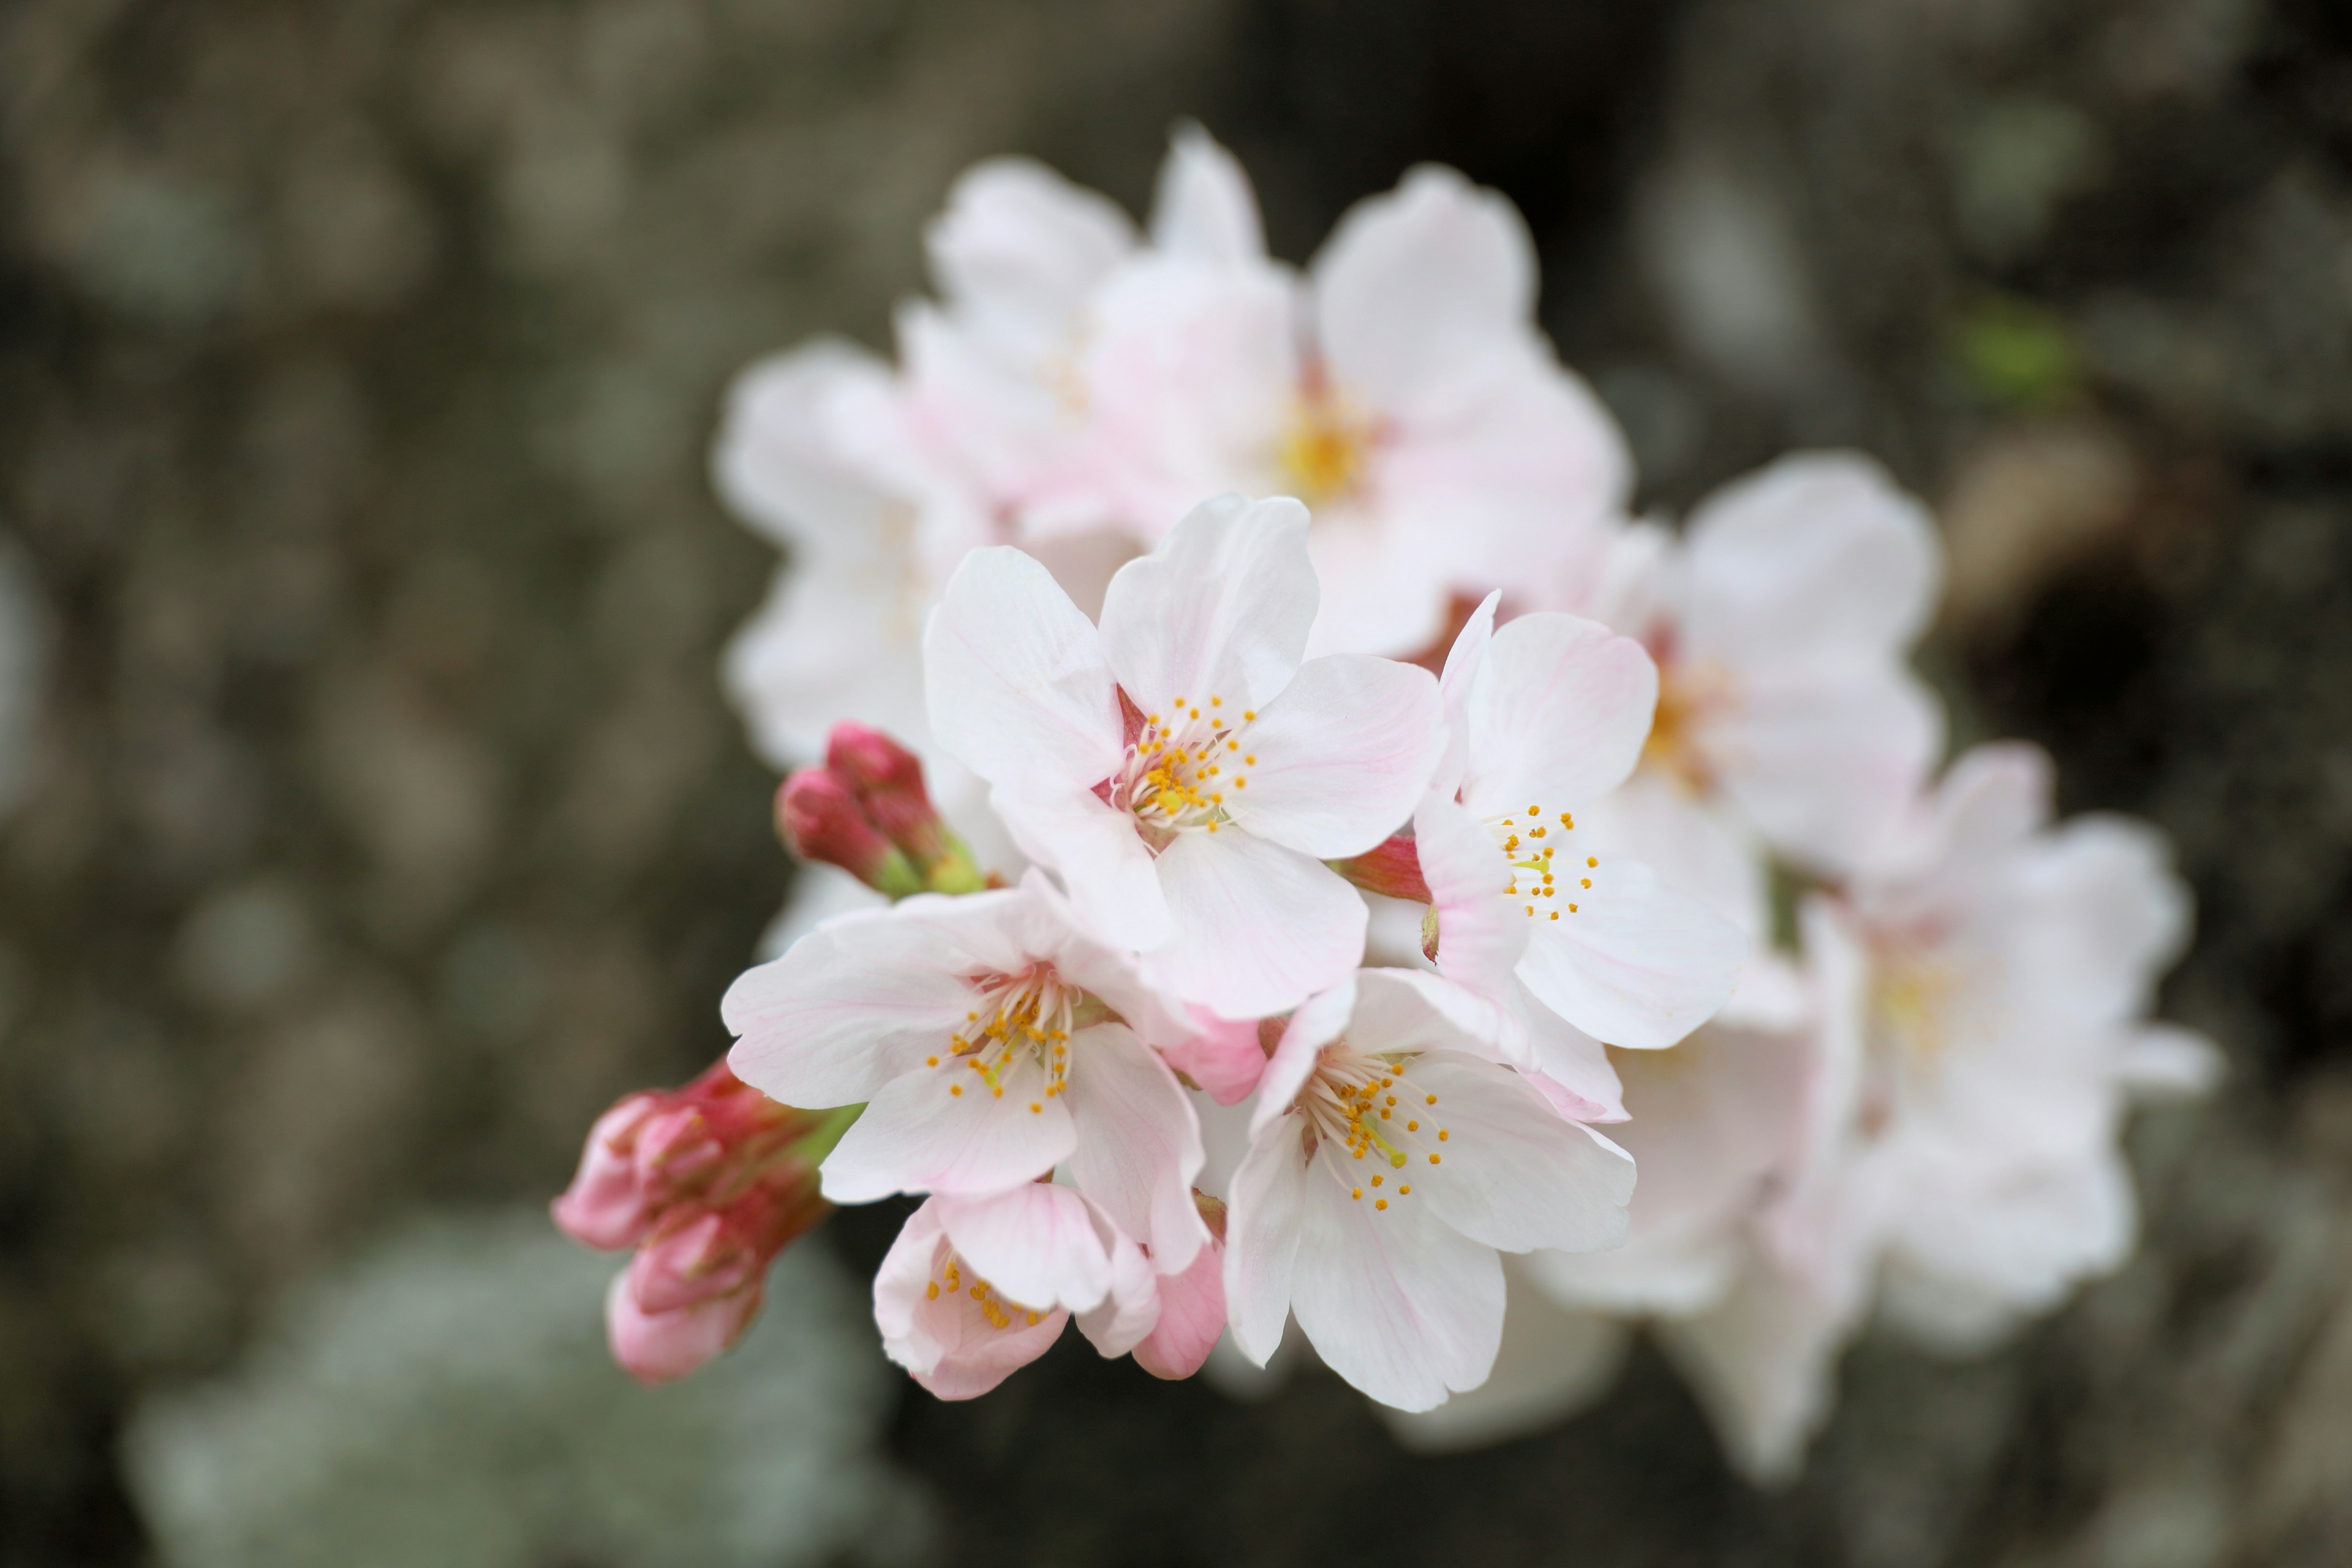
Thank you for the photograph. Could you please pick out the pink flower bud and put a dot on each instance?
(678, 1152)
(821, 819)
(662, 1347)
(888, 780)
(607, 1205)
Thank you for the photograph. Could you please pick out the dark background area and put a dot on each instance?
(357, 368)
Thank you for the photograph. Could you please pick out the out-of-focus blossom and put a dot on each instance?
(1390, 1160)
(1788, 719)
(1181, 768)
(709, 1182)
(990, 1042)
(1546, 715)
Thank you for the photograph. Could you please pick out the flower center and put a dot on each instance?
(1369, 1127)
(1324, 446)
(1691, 696)
(1178, 767)
(1532, 841)
(1913, 1016)
(1019, 1021)
(948, 1278)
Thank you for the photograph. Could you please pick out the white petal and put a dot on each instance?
(1410, 1010)
(1342, 754)
(1517, 1174)
(1573, 1068)
(1014, 678)
(832, 641)
(1139, 1143)
(1817, 560)
(1401, 1306)
(1763, 1364)
(1827, 762)
(856, 1002)
(1634, 965)
(1036, 1244)
(1323, 1019)
(1262, 1229)
(1222, 609)
(1109, 870)
(1462, 661)
(2164, 1062)
(1553, 1362)
(1019, 248)
(1417, 284)
(773, 462)
(1204, 209)
(1481, 937)
(917, 1136)
(1258, 927)
(1557, 715)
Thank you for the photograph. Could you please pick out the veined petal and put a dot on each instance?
(1262, 1222)
(1415, 285)
(1635, 965)
(1558, 714)
(1219, 610)
(1139, 1143)
(1015, 681)
(1518, 1176)
(1573, 1069)
(1035, 1243)
(919, 1134)
(1480, 936)
(1341, 755)
(1203, 209)
(1107, 867)
(853, 1003)
(1412, 1010)
(1400, 1304)
(1257, 927)
(1462, 661)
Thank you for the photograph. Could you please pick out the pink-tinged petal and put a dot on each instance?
(1557, 715)
(1139, 1144)
(1570, 1067)
(1131, 1306)
(1113, 882)
(1221, 1056)
(1341, 755)
(1404, 1307)
(1036, 1244)
(1400, 1011)
(1634, 965)
(1553, 1362)
(2164, 1062)
(1219, 610)
(1764, 1365)
(1018, 250)
(1819, 558)
(1265, 1216)
(945, 1338)
(661, 1347)
(853, 1003)
(1826, 764)
(1481, 936)
(1204, 209)
(1191, 1316)
(919, 1135)
(1462, 661)
(1257, 927)
(1380, 596)
(1517, 1176)
(1014, 678)
(1322, 1020)
(1416, 285)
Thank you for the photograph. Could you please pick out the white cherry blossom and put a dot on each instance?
(990, 1042)
(1389, 1161)
(1182, 769)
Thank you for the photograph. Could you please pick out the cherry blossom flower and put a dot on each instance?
(1390, 1160)
(990, 1042)
(1181, 768)
(1788, 719)
(1548, 714)
(1402, 391)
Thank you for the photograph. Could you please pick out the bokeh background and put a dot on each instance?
(384, 819)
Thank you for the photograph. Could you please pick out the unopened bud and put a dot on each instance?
(607, 1204)
(821, 819)
(662, 1347)
(888, 780)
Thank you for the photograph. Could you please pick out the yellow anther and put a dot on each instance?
(1376, 1181)
(1429, 1100)
(1413, 1126)
(1571, 908)
(1251, 761)
(997, 1092)
(955, 1088)
(1433, 1159)
(1593, 860)
(930, 1061)
(1356, 1194)
(1443, 1135)
(1405, 1191)
(1380, 1203)
(931, 1291)
(1248, 714)
(1584, 882)
(1035, 1109)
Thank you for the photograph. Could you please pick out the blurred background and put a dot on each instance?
(381, 819)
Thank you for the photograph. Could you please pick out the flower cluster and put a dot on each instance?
(1275, 897)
